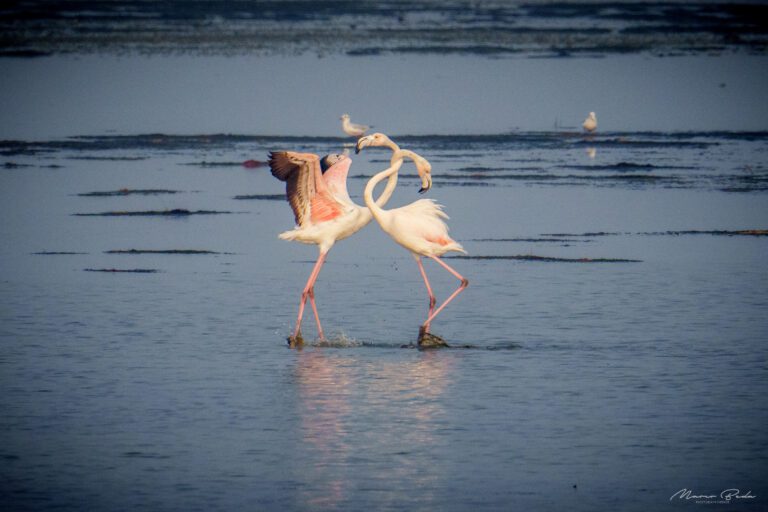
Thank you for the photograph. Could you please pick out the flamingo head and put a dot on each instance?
(376, 139)
(344, 117)
(329, 161)
(424, 168)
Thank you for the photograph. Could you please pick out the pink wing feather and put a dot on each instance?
(336, 178)
(306, 188)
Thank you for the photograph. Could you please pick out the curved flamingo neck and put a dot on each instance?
(391, 172)
(404, 153)
(389, 143)
(386, 195)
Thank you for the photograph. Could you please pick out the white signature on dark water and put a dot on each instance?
(725, 496)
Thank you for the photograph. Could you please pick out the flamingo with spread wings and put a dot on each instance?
(317, 192)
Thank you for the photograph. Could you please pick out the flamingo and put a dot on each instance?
(352, 129)
(317, 192)
(419, 227)
(590, 123)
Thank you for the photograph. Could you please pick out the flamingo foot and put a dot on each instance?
(429, 340)
(296, 341)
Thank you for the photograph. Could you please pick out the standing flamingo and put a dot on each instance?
(317, 192)
(419, 227)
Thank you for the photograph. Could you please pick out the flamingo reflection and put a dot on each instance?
(387, 406)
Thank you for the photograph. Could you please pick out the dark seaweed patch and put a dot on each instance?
(570, 178)
(56, 253)
(480, 168)
(486, 50)
(639, 141)
(754, 181)
(123, 270)
(592, 234)
(108, 158)
(262, 197)
(462, 184)
(14, 165)
(639, 178)
(536, 240)
(144, 455)
(163, 251)
(24, 54)
(754, 188)
(178, 212)
(621, 167)
(214, 164)
(129, 192)
(715, 232)
(530, 257)
(401, 175)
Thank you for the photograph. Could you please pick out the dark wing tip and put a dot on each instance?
(281, 165)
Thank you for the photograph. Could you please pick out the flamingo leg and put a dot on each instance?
(464, 283)
(309, 292)
(432, 299)
(314, 310)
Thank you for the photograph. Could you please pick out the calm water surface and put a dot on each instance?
(589, 385)
(610, 349)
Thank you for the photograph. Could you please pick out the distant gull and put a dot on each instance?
(352, 129)
(590, 123)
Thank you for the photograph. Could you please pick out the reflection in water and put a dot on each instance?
(392, 407)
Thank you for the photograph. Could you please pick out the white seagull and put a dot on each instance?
(590, 123)
(352, 129)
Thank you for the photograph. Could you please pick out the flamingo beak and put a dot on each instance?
(426, 179)
(363, 142)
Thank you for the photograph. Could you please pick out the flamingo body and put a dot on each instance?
(323, 210)
(326, 233)
(418, 227)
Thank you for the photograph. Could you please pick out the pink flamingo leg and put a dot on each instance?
(464, 284)
(314, 310)
(310, 293)
(432, 299)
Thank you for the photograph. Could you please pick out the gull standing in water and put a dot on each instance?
(590, 123)
(317, 192)
(352, 129)
(419, 227)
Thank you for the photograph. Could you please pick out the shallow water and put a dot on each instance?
(589, 385)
